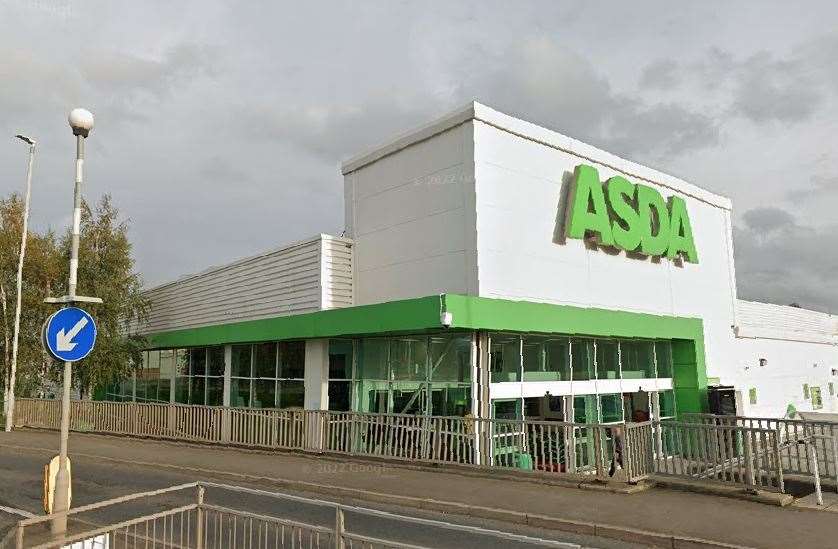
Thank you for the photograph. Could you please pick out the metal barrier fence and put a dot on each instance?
(745, 456)
(753, 453)
(544, 446)
(792, 435)
(198, 524)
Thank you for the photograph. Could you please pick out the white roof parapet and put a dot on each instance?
(768, 321)
(538, 134)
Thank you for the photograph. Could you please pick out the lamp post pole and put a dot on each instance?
(10, 390)
(82, 122)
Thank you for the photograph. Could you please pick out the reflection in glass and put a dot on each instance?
(505, 358)
(292, 359)
(240, 360)
(264, 360)
(451, 358)
(408, 359)
(581, 351)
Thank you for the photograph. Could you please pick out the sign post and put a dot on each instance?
(70, 333)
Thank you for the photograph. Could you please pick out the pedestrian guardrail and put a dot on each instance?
(549, 447)
(753, 453)
(792, 435)
(196, 521)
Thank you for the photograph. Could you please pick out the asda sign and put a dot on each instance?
(629, 216)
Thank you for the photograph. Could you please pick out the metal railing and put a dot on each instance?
(754, 453)
(199, 524)
(793, 435)
(541, 446)
(745, 456)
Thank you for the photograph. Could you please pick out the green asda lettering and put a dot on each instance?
(629, 216)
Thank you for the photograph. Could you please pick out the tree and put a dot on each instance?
(106, 270)
(39, 269)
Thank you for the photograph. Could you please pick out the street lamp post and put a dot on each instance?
(81, 121)
(10, 390)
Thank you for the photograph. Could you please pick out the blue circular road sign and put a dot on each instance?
(69, 334)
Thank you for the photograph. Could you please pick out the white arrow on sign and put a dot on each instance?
(64, 341)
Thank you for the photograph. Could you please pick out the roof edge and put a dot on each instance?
(533, 132)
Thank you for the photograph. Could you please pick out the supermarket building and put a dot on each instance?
(496, 268)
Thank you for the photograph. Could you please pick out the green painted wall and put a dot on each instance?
(473, 313)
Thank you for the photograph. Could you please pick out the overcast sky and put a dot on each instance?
(220, 126)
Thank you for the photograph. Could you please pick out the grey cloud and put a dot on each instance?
(121, 73)
(780, 261)
(762, 220)
(821, 187)
(765, 87)
(538, 80)
(662, 74)
(661, 130)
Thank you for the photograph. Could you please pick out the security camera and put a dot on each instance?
(81, 120)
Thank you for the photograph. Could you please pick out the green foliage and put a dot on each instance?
(106, 270)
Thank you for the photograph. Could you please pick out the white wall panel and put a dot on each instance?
(307, 276)
(411, 216)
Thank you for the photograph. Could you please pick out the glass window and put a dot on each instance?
(585, 409)
(339, 395)
(607, 359)
(410, 400)
(264, 360)
(292, 359)
(152, 362)
(197, 389)
(372, 359)
(240, 360)
(505, 358)
(291, 394)
(167, 364)
(506, 409)
(666, 402)
(611, 407)
(663, 358)
(340, 359)
(215, 361)
(752, 395)
(264, 393)
(581, 352)
(817, 401)
(182, 390)
(638, 359)
(240, 392)
(534, 356)
(163, 390)
(372, 396)
(182, 362)
(451, 358)
(409, 358)
(215, 391)
(451, 401)
(198, 361)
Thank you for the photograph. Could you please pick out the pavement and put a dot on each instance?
(652, 517)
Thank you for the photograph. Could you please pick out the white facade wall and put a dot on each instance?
(412, 219)
(472, 204)
(522, 173)
(799, 347)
